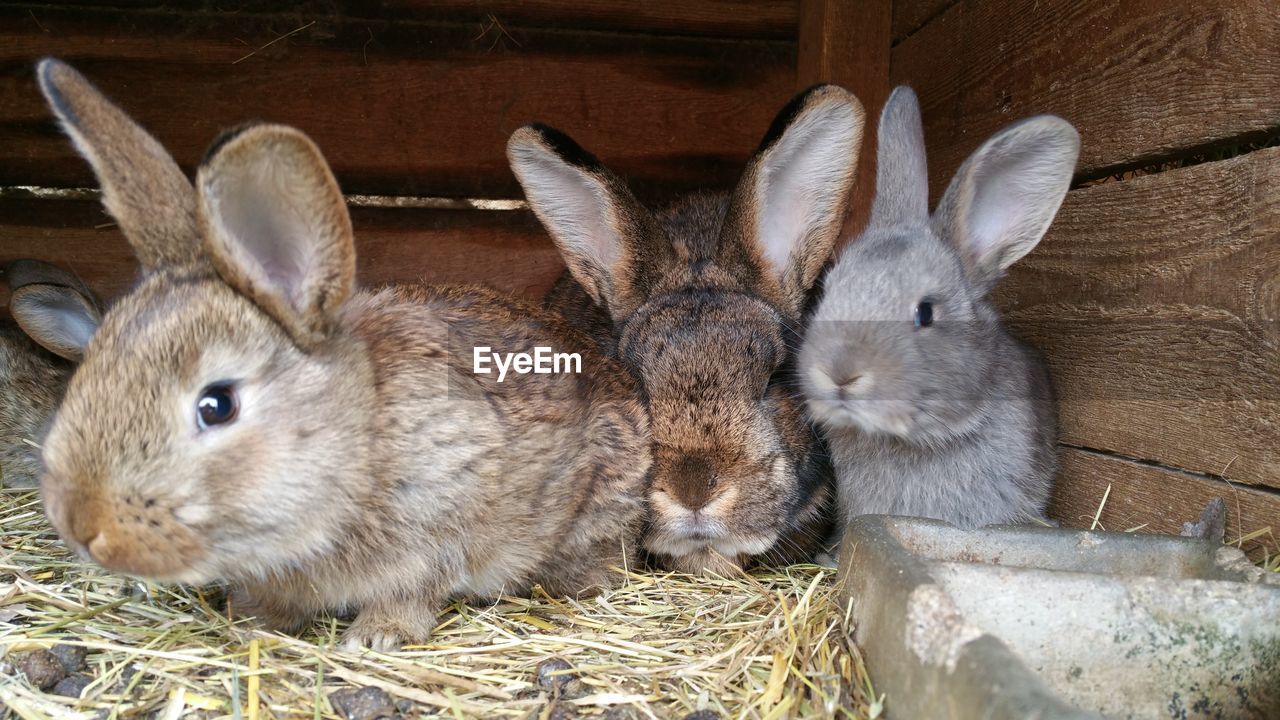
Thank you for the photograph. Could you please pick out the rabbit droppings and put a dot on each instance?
(703, 302)
(931, 409)
(246, 414)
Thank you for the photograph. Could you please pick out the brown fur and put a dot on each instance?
(369, 468)
(692, 302)
(36, 360)
(31, 383)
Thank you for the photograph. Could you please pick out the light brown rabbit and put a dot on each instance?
(703, 301)
(54, 315)
(246, 414)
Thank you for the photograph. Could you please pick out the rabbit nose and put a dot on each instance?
(84, 531)
(847, 383)
(694, 482)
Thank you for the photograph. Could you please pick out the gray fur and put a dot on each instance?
(953, 420)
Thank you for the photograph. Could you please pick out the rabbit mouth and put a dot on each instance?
(700, 542)
(887, 417)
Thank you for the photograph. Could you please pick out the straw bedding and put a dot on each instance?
(768, 645)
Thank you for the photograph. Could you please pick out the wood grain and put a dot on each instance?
(848, 44)
(504, 249)
(413, 108)
(760, 19)
(1157, 303)
(1141, 79)
(1157, 500)
(911, 15)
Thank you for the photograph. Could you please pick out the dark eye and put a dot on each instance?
(924, 314)
(217, 405)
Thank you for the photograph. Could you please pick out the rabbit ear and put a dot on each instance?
(142, 187)
(276, 227)
(24, 272)
(57, 317)
(1002, 200)
(788, 210)
(902, 175)
(608, 239)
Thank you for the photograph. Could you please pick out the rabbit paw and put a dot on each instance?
(385, 629)
(826, 559)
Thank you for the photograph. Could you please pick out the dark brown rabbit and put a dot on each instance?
(247, 415)
(54, 315)
(702, 301)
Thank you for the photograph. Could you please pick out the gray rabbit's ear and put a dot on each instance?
(607, 238)
(277, 228)
(787, 212)
(1002, 200)
(142, 187)
(902, 173)
(59, 318)
(24, 272)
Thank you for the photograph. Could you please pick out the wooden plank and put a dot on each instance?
(1141, 79)
(911, 15)
(1156, 500)
(504, 249)
(745, 19)
(409, 108)
(759, 19)
(1157, 303)
(848, 44)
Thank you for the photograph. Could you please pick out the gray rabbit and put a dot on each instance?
(930, 407)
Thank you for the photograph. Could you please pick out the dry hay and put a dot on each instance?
(769, 645)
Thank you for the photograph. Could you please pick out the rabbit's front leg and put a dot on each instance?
(272, 607)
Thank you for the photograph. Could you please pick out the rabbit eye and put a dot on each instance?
(218, 405)
(924, 314)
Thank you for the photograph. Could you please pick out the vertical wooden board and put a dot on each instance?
(399, 108)
(1156, 301)
(507, 250)
(848, 44)
(1141, 79)
(1157, 500)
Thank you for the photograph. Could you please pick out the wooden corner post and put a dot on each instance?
(847, 42)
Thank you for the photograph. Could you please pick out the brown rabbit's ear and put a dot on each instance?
(277, 229)
(607, 238)
(785, 217)
(59, 318)
(142, 187)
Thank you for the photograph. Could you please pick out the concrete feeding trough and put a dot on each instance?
(1022, 622)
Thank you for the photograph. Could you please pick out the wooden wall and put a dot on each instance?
(412, 99)
(1156, 294)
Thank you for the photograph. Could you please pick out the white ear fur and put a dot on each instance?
(60, 319)
(804, 179)
(574, 204)
(1003, 199)
(902, 172)
(277, 227)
